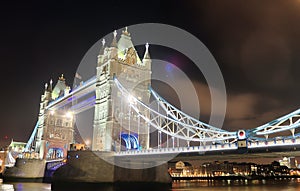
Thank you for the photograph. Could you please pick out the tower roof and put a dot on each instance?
(59, 87)
(124, 44)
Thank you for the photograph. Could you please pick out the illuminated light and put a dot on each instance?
(241, 134)
(169, 67)
(77, 156)
(131, 99)
(87, 142)
(69, 114)
(52, 112)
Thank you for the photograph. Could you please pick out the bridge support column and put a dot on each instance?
(25, 169)
(88, 166)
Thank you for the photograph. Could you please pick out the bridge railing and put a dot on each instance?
(202, 148)
(272, 143)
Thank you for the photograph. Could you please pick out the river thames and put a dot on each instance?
(222, 185)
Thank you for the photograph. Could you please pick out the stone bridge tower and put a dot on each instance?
(55, 130)
(112, 118)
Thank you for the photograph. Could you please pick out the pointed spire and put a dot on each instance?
(114, 41)
(46, 86)
(126, 31)
(50, 86)
(61, 77)
(147, 55)
(103, 42)
(102, 48)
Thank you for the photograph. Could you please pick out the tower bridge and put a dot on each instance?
(120, 95)
(123, 120)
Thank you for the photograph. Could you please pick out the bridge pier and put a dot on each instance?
(89, 167)
(25, 169)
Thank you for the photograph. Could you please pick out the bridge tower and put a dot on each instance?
(55, 127)
(113, 121)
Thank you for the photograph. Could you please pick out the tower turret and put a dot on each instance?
(112, 51)
(50, 86)
(147, 60)
(114, 41)
(55, 127)
(101, 53)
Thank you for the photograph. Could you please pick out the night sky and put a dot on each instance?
(256, 44)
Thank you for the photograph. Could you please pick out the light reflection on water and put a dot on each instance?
(30, 186)
(204, 185)
(236, 185)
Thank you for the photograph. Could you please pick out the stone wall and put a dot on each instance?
(87, 166)
(26, 168)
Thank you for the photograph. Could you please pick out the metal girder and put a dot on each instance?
(177, 114)
(33, 134)
(174, 127)
(289, 122)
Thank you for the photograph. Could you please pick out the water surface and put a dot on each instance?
(204, 185)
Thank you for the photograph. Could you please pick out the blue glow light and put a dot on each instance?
(84, 103)
(84, 84)
(19, 186)
(71, 98)
(169, 67)
(131, 141)
(77, 156)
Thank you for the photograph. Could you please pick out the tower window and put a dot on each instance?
(58, 122)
